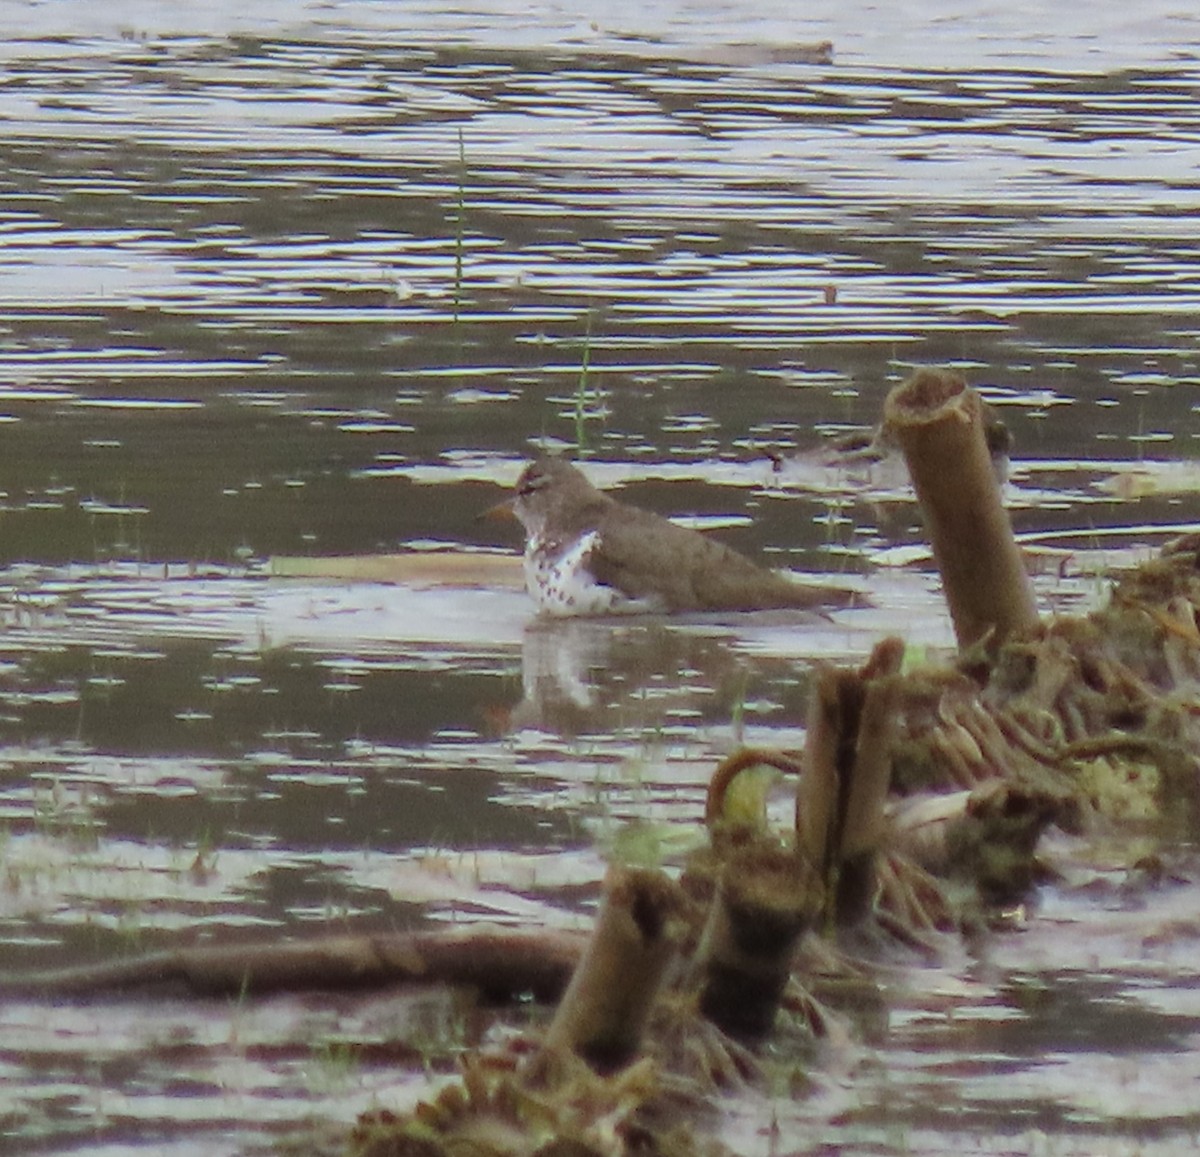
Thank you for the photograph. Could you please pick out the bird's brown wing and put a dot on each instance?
(647, 557)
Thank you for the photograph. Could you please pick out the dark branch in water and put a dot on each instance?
(501, 964)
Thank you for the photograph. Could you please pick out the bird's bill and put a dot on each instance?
(501, 512)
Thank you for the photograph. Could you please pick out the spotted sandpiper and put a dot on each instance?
(587, 554)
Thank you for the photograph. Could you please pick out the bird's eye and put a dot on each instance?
(530, 481)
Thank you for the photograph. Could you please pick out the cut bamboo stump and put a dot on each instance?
(766, 899)
(939, 423)
(638, 933)
(840, 798)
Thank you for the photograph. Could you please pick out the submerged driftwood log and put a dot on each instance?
(499, 963)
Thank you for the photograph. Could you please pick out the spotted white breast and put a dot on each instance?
(562, 584)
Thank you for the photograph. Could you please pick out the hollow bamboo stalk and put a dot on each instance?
(603, 1013)
(865, 793)
(824, 756)
(938, 422)
(847, 773)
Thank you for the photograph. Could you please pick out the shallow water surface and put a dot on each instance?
(311, 280)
